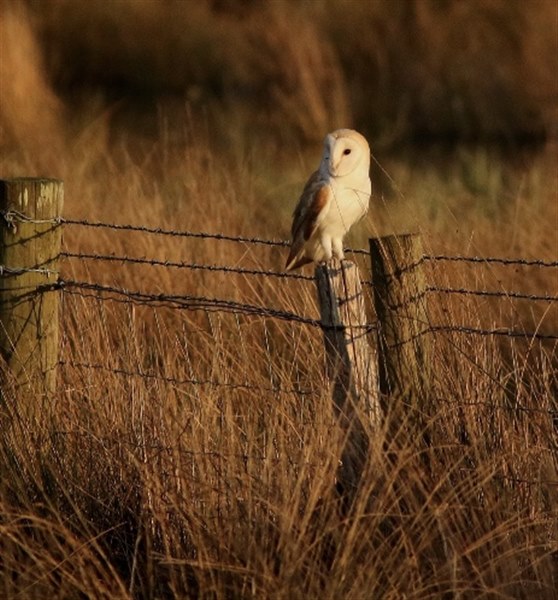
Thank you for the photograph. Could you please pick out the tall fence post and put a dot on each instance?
(30, 241)
(351, 363)
(399, 299)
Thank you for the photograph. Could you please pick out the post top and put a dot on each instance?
(35, 197)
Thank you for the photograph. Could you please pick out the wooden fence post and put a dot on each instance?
(352, 365)
(29, 247)
(399, 299)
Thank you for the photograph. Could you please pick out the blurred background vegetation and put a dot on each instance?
(459, 99)
(399, 70)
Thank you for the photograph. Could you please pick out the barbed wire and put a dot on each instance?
(189, 381)
(501, 331)
(491, 260)
(218, 304)
(174, 232)
(189, 302)
(272, 456)
(183, 265)
(285, 243)
(186, 233)
(493, 293)
(12, 216)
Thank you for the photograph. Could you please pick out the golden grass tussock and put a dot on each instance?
(193, 453)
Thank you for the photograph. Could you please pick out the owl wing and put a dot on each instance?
(308, 214)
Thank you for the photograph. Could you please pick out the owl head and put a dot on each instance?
(345, 151)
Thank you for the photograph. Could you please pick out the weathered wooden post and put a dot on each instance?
(352, 365)
(399, 299)
(29, 247)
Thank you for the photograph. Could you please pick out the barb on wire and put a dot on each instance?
(190, 381)
(184, 265)
(493, 293)
(493, 332)
(492, 259)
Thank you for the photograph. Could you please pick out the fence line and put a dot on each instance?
(192, 302)
(11, 217)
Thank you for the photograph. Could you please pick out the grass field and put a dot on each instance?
(215, 476)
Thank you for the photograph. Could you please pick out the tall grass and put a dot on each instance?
(127, 485)
(219, 479)
(193, 453)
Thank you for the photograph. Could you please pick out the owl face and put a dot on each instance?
(345, 151)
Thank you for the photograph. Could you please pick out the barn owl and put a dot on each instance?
(335, 197)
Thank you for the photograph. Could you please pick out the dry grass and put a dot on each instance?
(126, 486)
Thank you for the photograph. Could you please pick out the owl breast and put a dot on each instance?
(349, 205)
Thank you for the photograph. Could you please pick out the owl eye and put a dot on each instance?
(346, 151)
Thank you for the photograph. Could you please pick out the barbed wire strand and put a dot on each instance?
(190, 302)
(11, 217)
(160, 448)
(491, 260)
(9, 271)
(501, 331)
(190, 381)
(187, 233)
(493, 293)
(276, 389)
(174, 232)
(183, 265)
